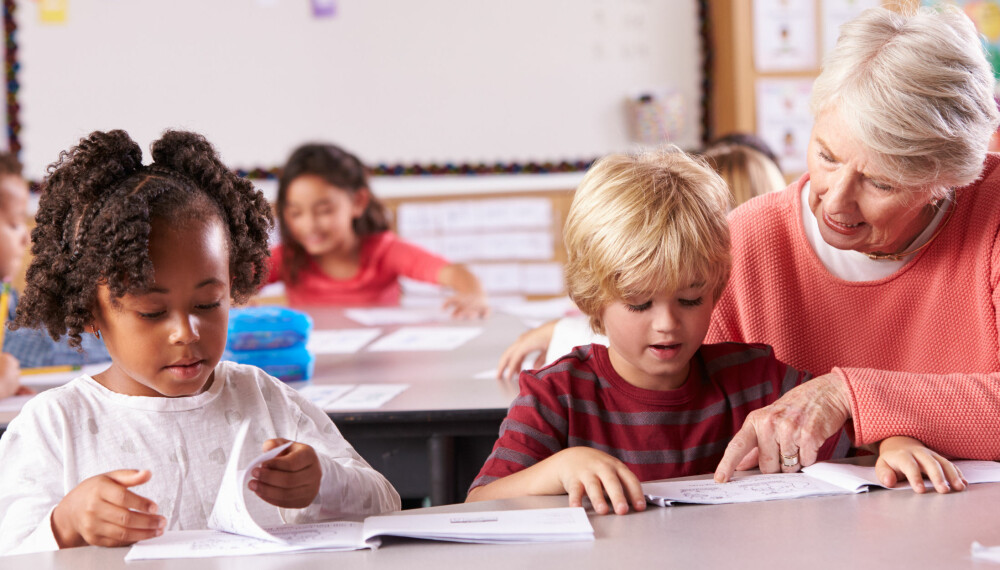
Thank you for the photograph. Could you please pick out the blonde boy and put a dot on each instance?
(648, 255)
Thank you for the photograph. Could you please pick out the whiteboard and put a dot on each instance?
(395, 81)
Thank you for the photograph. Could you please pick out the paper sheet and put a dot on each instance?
(325, 394)
(857, 477)
(340, 341)
(397, 316)
(366, 397)
(745, 489)
(988, 553)
(425, 339)
(230, 512)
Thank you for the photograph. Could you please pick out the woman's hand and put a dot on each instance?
(535, 340)
(103, 512)
(290, 480)
(788, 434)
(901, 456)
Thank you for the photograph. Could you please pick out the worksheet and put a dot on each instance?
(425, 339)
(825, 478)
(491, 527)
(366, 397)
(397, 316)
(340, 341)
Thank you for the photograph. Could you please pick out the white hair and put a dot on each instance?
(916, 90)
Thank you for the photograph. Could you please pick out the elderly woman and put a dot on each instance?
(879, 268)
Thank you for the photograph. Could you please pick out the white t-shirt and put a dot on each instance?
(71, 433)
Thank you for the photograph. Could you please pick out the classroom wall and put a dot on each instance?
(434, 81)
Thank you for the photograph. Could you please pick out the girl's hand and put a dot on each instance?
(907, 457)
(290, 480)
(579, 470)
(535, 340)
(467, 306)
(10, 377)
(103, 512)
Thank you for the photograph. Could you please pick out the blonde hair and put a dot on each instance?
(916, 90)
(645, 222)
(747, 172)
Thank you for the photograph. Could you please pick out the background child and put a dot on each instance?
(748, 168)
(647, 257)
(26, 348)
(147, 257)
(336, 247)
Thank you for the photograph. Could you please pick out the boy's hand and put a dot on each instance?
(103, 512)
(907, 457)
(582, 470)
(290, 480)
(467, 306)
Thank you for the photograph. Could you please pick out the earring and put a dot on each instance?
(96, 331)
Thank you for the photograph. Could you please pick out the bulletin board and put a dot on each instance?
(408, 86)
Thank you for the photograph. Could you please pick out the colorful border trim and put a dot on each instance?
(10, 69)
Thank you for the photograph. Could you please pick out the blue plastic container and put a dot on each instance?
(293, 364)
(267, 328)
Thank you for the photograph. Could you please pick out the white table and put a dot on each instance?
(878, 530)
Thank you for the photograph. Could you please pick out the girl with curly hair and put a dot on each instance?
(336, 247)
(148, 258)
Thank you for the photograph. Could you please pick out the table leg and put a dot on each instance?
(441, 451)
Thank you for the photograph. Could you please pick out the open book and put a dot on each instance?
(233, 531)
(824, 478)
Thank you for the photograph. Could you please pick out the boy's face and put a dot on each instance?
(166, 341)
(14, 236)
(652, 339)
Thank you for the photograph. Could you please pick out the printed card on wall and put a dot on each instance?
(52, 11)
(784, 120)
(838, 12)
(784, 35)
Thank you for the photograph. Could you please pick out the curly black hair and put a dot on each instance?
(94, 219)
(338, 168)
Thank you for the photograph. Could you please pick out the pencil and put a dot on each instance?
(50, 369)
(4, 304)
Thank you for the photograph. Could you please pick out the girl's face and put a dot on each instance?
(14, 235)
(167, 340)
(318, 215)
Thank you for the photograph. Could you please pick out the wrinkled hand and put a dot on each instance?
(579, 470)
(103, 512)
(467, 306)
(290, 480)
(10, 377)
(797, 424)
(535, 340)
(901, 456)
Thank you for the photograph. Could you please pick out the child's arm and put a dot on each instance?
(469, 300)
(346, 484)
(10, 377)
(101, 511)
(903, 456)
(575, 471)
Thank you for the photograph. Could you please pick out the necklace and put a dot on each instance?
(900, 256)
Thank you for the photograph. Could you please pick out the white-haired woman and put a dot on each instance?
(879, 268)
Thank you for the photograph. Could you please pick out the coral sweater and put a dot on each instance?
(924, 335)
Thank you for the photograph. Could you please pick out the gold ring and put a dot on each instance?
(789, 460)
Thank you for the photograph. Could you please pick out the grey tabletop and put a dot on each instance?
(881, 529)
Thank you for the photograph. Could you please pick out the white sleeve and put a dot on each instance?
(30, 485)
(569, 333)
(349, 487)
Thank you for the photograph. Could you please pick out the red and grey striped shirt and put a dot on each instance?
(581, 400)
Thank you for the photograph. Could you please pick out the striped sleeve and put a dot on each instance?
(535, 428)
